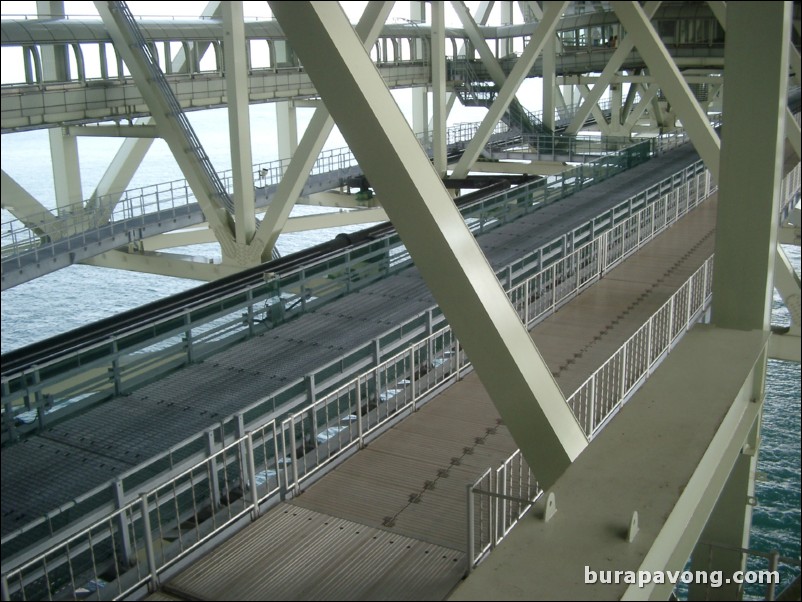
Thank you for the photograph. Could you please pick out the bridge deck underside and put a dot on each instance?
(410, 482)
(124, 432)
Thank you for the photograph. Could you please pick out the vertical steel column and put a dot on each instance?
(749, 183)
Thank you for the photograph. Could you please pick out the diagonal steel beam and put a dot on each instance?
(315, 136)
(625, 46)
(601, 120)
(239, 122)
(477, 39)
(482, 15)
(665, 71)
(187, 152)
(128, 158)
(446, 253)
(506, 95)
(751, 165)
(647, 95)
(24, 206)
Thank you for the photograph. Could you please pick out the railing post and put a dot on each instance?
(376, 373)
(251, 467)
(471, 533)
(623, 372)
(188, 337)
(360, 429)
(412, 375)
(527, 292)
(122, 524)
(671, 321)
(5, 594)
(592, 408)
(311, 393)
(249, 296)
(149, 552)
(774, 561)
(688, 312)
(296, 487)
(214, 480)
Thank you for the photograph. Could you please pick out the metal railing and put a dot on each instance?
(281, 453)
(594, 404)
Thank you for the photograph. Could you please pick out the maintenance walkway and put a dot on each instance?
(390, 522)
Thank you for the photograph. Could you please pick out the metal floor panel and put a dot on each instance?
(412, 479)
(354, 562)
(28, 485)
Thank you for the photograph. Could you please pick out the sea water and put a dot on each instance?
(79, 295)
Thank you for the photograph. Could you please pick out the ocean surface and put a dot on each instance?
(79, 295)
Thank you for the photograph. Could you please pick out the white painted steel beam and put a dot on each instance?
(749, 183)
(113, 131)
(785, 347)
(549, 82)
(66, 170)
(445, 251)
(420, 94)
(286, 127)
(647, 96)
(719, 10)
(610, 71)
(792, 133)
(439, 90)
(303, 223)
(786, 281)
(321, 124)
(535, 168)
(545, 30)
(239, 129)
(662, 66)
(489, 59)
(505, 44)
(164, 264)
(22, 205)
(601, 120)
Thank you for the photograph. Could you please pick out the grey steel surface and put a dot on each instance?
(354, 562)
(135, 427)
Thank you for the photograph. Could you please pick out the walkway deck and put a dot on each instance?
(390, 522)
